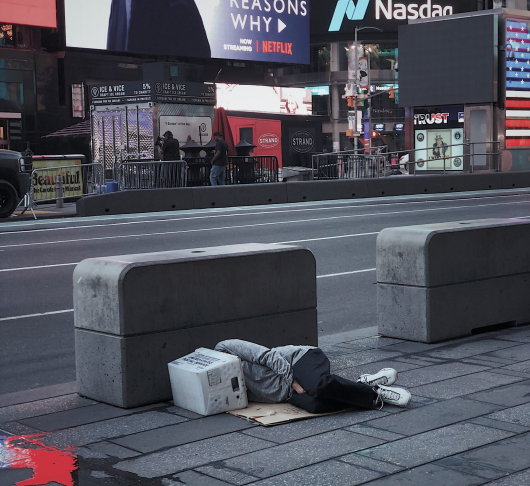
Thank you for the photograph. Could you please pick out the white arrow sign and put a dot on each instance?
(281, 25)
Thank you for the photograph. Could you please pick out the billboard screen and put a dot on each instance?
(251, 30)
(442, 72)
(264, 99)
(29, 12)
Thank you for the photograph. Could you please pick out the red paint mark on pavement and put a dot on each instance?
(49, 464)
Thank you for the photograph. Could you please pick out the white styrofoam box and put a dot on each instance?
(208, 382)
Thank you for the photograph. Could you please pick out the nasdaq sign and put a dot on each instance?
(385, 13)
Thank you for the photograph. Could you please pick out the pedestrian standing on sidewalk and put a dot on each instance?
(301, 376)
(219, 161)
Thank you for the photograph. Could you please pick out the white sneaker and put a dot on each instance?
(392, 395)
(386, 376)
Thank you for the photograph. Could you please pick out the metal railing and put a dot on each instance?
(151, 174)
(479, 156)
(49, 184)
(239, 170)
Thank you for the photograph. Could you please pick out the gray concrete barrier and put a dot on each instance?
(326, 190)
(442, 281)
(239, 195)
(135, 313)
(152, 200)
(136, 201)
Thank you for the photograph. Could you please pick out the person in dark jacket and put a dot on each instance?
(170, 149)
(301, 376)
(173, 27)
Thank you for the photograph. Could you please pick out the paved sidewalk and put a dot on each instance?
(43, 211)
(468, 424)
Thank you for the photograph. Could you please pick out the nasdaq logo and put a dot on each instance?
(386, 9)
(349, 9)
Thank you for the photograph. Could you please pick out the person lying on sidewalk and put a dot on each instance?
(300, 375)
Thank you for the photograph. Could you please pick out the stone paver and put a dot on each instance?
(437, 372)
(86, 434)
(517, 415)
(429, 417)
(467, 349)
(464, 385)
(508, 396)
(192, 455)
(510, 455)
(442, 442)
(327, 473)
(300, 453)
(183, 433)
(360, 358)
(43, 407)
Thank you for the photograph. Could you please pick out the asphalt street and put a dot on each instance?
(37, 260)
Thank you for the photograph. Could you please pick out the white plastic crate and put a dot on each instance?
(208, 382)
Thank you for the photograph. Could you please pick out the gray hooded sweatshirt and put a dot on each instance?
(268, 372)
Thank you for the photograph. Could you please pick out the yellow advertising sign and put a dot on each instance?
(45, 178)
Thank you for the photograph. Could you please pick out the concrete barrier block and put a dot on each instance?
(136, 201)
(135, 313)
(132, 371)
(519, 179)
(239, 195)
(436, 314)
(326, 190)
(154, 292)
(402, 185)
(456, 252)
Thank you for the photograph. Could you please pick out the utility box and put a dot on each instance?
(208, 382)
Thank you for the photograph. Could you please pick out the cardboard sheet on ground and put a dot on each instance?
(274, 413)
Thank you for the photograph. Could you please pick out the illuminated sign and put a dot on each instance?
(319, 90)
(431, 118)
(329, 18)
(139, 92)
(257, 30)
(265, 99)
(379, 127)
(388, 10)
(29, 12)
(399, 127)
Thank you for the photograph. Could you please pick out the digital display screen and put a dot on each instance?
(40, 13)
(439, 72)
(265, 99)
(248, 30)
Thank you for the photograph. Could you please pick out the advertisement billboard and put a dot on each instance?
(336, 17)
(44, 181)
(186, 128)
(253, 30)
(264, 99)
(40, 13)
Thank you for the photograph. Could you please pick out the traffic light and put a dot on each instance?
(351, 102)
(392, 94)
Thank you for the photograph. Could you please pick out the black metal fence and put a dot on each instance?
(150, 174)
(239, 170)
(347, 166)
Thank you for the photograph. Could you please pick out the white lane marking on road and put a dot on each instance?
(348, 216)
(40, 314)
(37, 267)
(326, 238)
(274, 243)
(346, 273)
(346, 205)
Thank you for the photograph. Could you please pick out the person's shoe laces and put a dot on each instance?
(393, 396)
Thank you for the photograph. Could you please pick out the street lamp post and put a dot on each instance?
(356, 86)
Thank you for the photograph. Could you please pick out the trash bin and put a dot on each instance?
(112, 186)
